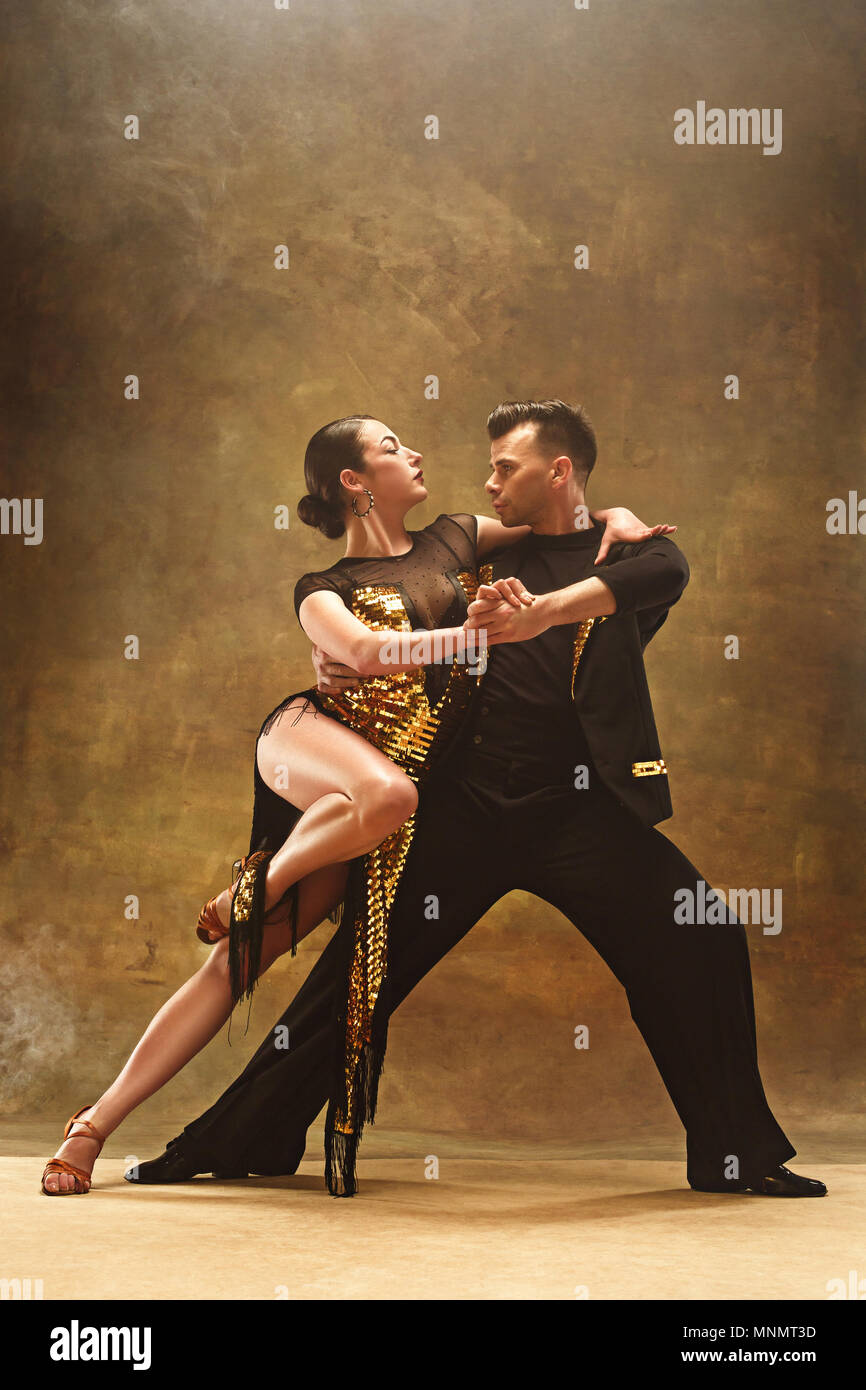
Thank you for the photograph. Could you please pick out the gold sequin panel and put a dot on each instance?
(384, 866)
(392, 711)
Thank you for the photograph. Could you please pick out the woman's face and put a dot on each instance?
(392, 471)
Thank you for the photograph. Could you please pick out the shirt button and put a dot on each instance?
(476, 738)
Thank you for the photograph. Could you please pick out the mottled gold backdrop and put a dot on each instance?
(411, 257)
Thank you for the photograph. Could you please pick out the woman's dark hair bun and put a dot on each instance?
(334, 447)
(316, 511)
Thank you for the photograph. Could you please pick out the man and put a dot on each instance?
(558, 767)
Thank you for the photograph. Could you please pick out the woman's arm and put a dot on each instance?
(620, 525)
(328, 623)
(492, 535)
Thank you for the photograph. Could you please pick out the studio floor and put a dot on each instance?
(516, 1222)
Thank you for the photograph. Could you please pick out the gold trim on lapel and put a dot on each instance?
(580, 640)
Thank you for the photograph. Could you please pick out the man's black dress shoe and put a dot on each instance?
(172, 1166)
(781, 1182)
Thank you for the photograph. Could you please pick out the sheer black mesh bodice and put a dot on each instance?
(426, 577)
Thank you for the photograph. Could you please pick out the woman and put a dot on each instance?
(335, 779)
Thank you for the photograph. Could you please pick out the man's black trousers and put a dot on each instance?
(488, 824)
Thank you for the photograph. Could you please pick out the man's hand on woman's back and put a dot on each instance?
(331, 675)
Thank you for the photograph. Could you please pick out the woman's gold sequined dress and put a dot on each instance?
(411, 716)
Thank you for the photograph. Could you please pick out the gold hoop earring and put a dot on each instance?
(369, 509)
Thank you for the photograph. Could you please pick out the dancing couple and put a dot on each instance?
(403, 798)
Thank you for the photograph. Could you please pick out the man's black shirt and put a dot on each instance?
(536, 675)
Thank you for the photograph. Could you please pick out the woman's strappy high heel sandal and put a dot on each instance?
(59, 1165)
(210, 929)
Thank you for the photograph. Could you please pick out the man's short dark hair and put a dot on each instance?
(564, 427)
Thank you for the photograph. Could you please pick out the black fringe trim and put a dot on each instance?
(245, 942)
(276, 715)
(341, 1149)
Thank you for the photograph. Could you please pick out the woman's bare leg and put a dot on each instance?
(188, 1020)
(352, 796)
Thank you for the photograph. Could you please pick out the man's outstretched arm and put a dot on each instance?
(654, 576)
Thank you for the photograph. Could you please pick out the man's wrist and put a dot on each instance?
(548, 608)
(588, 598)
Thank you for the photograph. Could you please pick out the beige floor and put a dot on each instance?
(494, 1227)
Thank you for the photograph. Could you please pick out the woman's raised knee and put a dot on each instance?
(384, 801)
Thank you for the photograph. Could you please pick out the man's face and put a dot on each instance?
(522, 477)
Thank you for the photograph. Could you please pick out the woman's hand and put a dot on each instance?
(514, 591)
(622, 525)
